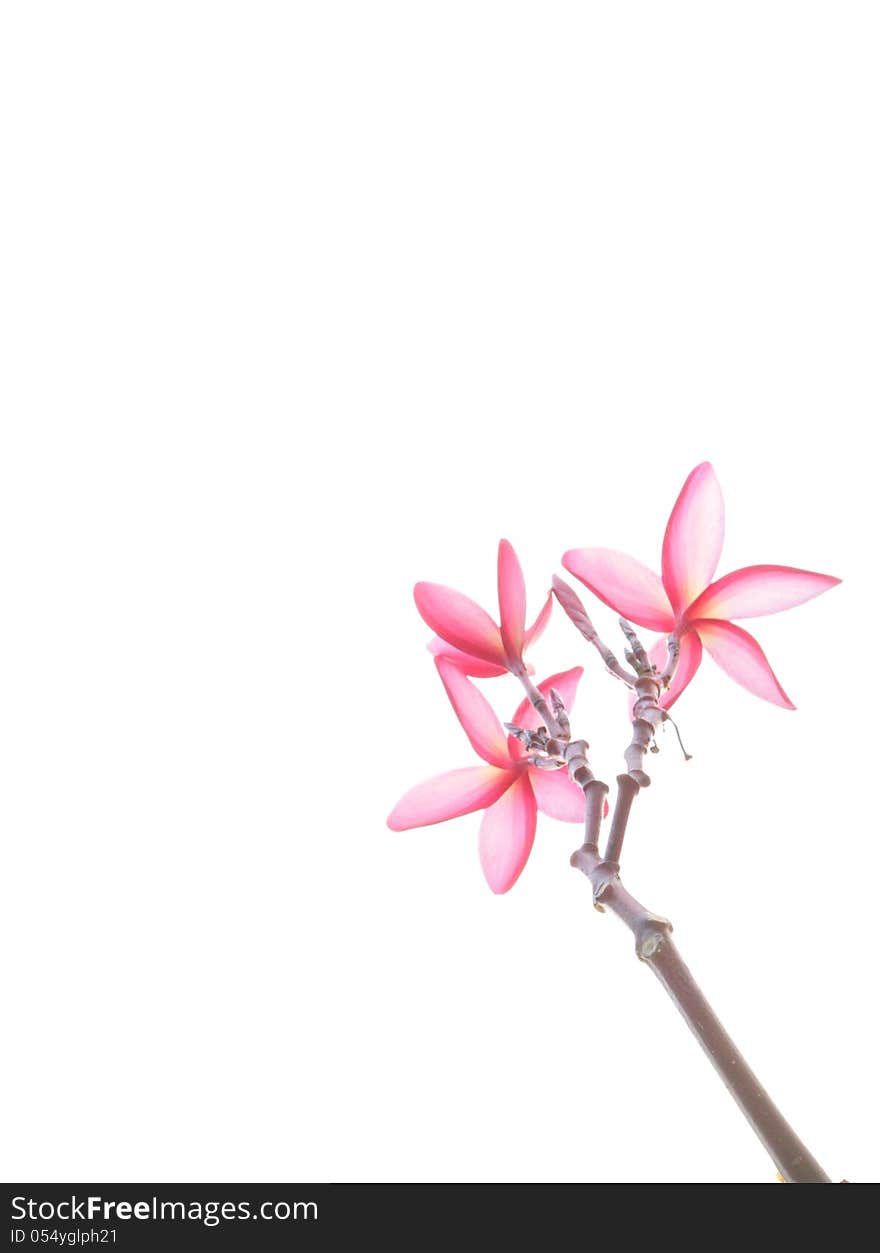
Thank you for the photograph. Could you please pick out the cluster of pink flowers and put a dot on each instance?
(683, 601)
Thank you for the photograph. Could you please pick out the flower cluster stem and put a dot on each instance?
(653, 934)
(627, 791)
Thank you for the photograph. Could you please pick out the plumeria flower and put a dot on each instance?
(508, 787)
(686, 602)
(468, 636)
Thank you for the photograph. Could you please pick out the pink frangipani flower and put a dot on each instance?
(468, 636)
(508, 787)
(686, 602)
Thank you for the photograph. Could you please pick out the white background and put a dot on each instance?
(302, 303)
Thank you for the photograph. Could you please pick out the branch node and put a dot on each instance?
(651, 931)
(602, 878)
(575, 758)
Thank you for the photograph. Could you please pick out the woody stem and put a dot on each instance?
(653, 934)
(627, 791)
(654, 946)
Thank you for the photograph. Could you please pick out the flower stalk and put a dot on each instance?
(653, 933)
(539, 766)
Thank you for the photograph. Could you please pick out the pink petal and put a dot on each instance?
(556, 795)
(536, 630)
(742, 657)
(449, 795)
(460, 621)
(511, 601)
(565, 683)
(623, 583)
(694, 536)
(757, 590)
(465, 662)
(475, 714)
(507, 834)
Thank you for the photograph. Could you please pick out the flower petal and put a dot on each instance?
(449, 795)
(475, 714)
(460, 621)
(536, 630)
(511, 601)
(742, 657)
(565, 683)
(556, 795)
(689, 657)
(507, 834)
(694, 536)
(623, 583)
(465, 662)
(757, 590)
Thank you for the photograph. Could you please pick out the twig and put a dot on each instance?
(557, 729)
(654, 944)
(627, 791)
(637, 656)
(634, 754)
(558, 744)
(647, 712)
(673, 649)
(655, 947)
(571, 603)
(594, 794)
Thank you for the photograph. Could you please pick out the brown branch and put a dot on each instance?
(594, 793)
(654, 944)
(655, 947)
(627, 791)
